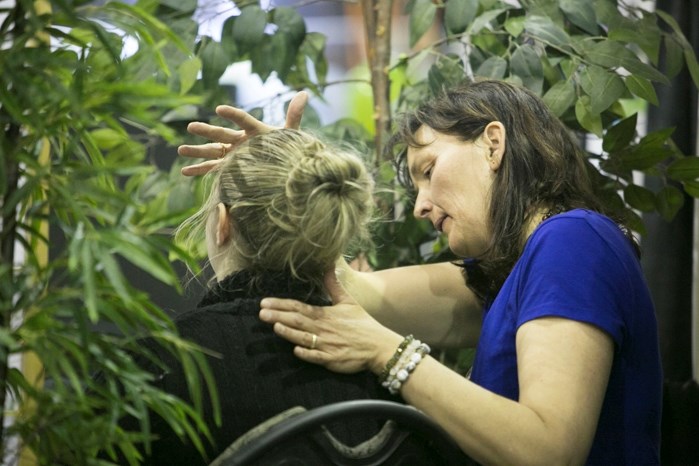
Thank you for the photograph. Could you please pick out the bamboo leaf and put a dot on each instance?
(88, 276)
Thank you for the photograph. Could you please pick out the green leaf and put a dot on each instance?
(588, 120)
(560, 97)
(421, 19)
(526, 64)
(188, 72)
(493, 67)
(613, 54)
(484, 19)
(643, 32)
(515, 25)
(669, 201)
(657, 138)
(546, 30)
(458, 15)
(214, 63)
(447, 71)
(674, 56)
(603, 87)
(546, 8)
(642, 88)
(313, 47)
(691, 188)
(248, 29)
(184, 6)
(140, 253)
(639, 198)
(107, 138)
(581, 13)
(88, 276)
(643, 157)
(679, 35)
(620, 135)
(290, 24)
(692, 65)
(684, 169)
(276, 54)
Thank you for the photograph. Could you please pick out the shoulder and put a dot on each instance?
(585, 231)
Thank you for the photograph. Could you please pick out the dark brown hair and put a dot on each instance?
(543, 166)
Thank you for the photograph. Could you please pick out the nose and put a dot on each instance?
(423, 205)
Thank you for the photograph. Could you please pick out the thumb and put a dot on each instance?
(337, 292)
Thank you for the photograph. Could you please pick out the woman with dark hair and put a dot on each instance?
(567, 367)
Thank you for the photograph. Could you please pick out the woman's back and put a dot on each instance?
(256, 373)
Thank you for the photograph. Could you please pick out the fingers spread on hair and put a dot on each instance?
(243, 119)
(200, 168)
(215, 133)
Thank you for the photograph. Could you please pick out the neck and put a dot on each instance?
(225, 263)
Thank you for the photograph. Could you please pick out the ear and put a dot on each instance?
(223, 225)
(494, 137)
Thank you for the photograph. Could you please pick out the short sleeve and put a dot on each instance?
(572, 269)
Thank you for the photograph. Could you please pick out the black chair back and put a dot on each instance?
(408, 438)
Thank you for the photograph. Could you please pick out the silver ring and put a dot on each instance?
(314, 341)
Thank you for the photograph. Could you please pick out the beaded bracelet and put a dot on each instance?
(405, 364)
(394, 359)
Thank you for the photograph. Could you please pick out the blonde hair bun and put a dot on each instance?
(296, 203)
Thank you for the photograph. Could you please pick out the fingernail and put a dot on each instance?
(265, 314)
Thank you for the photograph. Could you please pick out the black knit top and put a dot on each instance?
(257, 375)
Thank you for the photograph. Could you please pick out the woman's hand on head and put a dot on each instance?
(226, 139)
(348, 339)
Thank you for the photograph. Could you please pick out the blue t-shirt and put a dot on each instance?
(579, 265)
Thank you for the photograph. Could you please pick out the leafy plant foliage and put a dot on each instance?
(80, 113)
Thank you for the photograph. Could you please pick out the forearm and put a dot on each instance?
(489, 428)
(430, 301)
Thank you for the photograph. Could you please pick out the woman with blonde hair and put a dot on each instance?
(282, 208)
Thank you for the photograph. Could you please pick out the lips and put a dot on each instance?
(438, 225)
